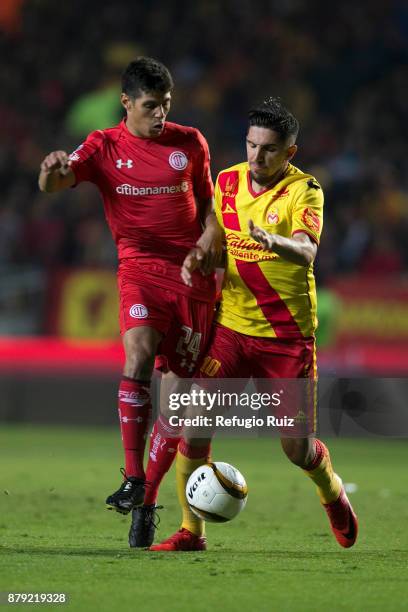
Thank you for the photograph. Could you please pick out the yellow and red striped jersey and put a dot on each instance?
(264, 294)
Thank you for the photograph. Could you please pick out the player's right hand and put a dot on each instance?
(191, 263)
(57, 160)
(265, 239)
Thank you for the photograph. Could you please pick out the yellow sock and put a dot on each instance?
(327, 482)
(184, 468)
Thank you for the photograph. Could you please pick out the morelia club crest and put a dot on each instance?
(178, 160)
(273, 216)
(311, 219)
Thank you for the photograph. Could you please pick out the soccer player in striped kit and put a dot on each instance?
(272, 215)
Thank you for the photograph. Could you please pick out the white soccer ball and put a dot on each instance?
(216, 492)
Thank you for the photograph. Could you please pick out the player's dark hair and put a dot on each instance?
(146, 74)
(273, 115)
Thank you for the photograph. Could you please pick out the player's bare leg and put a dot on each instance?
(140, 344)
(313, 457)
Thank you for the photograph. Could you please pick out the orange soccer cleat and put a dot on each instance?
(343, 520)
(182, 540)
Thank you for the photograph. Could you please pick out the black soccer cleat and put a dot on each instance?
(145, 521)
(129, 495)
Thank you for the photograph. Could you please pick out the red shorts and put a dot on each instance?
(184, 322)
(232, 355)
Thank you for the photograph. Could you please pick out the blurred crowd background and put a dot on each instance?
(342, 70)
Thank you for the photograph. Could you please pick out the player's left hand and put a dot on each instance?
(192, 261)
(265, 239)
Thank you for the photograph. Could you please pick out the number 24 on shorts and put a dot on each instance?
(189, 342)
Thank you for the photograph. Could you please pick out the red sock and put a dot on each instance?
(320, 451)
(134, 411)
(164, 440)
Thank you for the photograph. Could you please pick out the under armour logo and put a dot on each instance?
(126, 419)
(120, 163)
(184, 364)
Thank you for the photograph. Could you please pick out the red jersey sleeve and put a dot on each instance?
(202, 181)
(83, 159)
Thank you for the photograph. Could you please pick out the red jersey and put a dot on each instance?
(149, 188)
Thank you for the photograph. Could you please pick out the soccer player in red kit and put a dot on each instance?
(154, 178)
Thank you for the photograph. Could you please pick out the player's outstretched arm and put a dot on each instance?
(55, 173)
(300, 249)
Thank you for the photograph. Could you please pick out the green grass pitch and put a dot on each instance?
(279, 554)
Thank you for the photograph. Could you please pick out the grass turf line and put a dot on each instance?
(279, 554)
